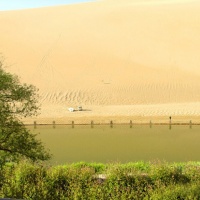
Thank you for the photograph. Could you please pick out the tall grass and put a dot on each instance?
(101, 181)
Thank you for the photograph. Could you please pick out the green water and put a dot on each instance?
(121, 143)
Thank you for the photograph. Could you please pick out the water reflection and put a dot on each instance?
(150, 124)
(108, 143)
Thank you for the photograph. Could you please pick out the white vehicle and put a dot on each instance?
(71, 109)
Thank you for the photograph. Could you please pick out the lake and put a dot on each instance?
(121, 143)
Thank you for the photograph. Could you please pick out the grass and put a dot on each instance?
(140, 180)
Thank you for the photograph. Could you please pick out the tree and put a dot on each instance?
(16, 101)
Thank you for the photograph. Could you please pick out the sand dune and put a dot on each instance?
(113, 57)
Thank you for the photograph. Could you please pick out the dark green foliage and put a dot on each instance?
(112, 181)
(16, 101)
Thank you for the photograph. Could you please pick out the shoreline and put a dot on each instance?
(119, 114)
(117, 120)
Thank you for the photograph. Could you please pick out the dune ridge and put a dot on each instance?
(115, 58)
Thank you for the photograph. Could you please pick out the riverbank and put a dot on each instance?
(185, 113)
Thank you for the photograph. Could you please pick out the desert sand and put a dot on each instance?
(118, 59)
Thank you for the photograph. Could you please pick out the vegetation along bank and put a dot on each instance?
(139, 180)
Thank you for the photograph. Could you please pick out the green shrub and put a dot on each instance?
(98, 181)
(174, 192)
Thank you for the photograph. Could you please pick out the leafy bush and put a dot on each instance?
(100, 181)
